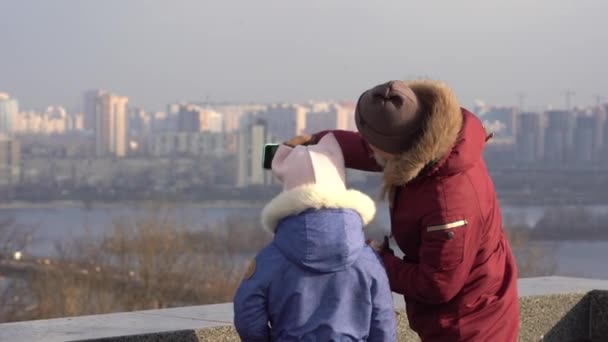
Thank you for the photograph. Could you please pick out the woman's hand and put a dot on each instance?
(304, 140)
(375, 245)
(380, 247)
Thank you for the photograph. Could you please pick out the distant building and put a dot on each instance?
(9, 108)
(28, 123)
(76, 122)
(604, 137)
(10, 161)
(284, 120)
(500, 120)
(173, 109)
(111, 125)
(588, 137)
(231, 114)
(89, 110)
(192, 118)
(500, 151)
(54, 120)
(159, 122)
(251, 141)
(558, 135)
(332, 116)
(231, 143)
(349, 112)
(170, 122)
(139, 121)
(189, 144)
(530, 138)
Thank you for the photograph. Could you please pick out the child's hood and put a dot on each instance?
(319, 228)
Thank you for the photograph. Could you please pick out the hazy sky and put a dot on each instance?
(157, 51)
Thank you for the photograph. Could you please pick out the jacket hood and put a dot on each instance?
(442, 120)
(325, 240)
(468, 148)
(319, 228)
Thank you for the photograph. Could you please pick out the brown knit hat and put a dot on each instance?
(387, 116)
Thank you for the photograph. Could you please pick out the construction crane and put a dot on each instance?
(598, 100)
(521, 98)
(569, 93)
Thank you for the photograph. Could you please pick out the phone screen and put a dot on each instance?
(268, 155)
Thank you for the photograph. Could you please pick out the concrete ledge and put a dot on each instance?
(171, 321)
(552, 309)
(598, 313)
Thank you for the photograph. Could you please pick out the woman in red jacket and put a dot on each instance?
(458, 276)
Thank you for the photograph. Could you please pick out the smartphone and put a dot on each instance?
(268, 155)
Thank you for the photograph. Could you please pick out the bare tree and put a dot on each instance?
(533, 259)
(14, 240)
(150, 260)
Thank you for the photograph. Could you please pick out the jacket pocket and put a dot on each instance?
(443, 244)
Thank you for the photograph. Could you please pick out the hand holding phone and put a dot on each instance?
(268, 155)
(271, 149)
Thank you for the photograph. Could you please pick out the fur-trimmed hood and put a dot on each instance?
(441, 125)
(319, 228)
(298, 200)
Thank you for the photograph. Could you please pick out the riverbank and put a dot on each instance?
(211, 204)
(58, 223)
(57, 219)
(240, 203)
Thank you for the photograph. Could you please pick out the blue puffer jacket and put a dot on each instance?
(317, 280)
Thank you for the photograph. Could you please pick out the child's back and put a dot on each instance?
(317, 280)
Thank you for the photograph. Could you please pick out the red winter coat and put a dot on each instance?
(458, 276)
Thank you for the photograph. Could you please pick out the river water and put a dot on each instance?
(51, 224)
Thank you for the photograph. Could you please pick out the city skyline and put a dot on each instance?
(130, 149)
(238, 51)
(82, 108)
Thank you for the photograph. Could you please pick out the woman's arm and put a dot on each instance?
(447, 252)
(357, 153)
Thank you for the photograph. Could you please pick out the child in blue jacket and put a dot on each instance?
(317, 280)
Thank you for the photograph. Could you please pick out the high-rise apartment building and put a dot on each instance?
(111, 123)
(76, 122)
(502, 121)
(9, 108)
(558, 135)
(192, 118)
(10, 161)
(190, 144)
(530, 137)
(588, 143)
(89, 110)
(231, 114)
(285, 120)
(585, 147)
(139, 121)
(251, 141)
(54, 120)
(604, 135)
(333, 116)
